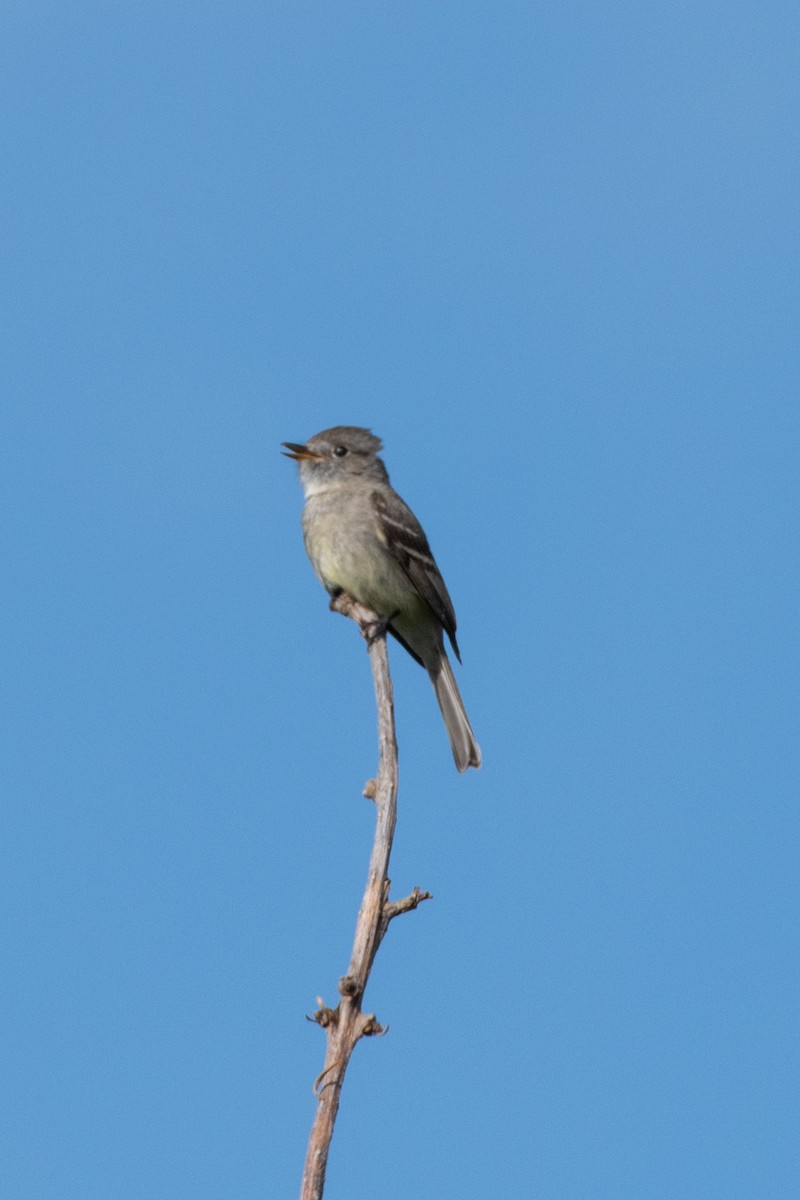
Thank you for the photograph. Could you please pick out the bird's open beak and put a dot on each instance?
(298, 452)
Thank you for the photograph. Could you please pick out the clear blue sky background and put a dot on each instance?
(549, 252)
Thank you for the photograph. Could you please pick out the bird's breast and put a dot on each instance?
(347, 551)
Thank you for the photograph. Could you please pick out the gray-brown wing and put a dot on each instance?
(406, 539)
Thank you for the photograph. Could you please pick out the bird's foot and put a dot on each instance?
(373, 630)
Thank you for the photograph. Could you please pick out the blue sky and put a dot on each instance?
(549, 253)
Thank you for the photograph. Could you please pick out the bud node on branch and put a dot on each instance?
(348, 986)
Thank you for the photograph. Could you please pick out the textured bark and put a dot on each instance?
(347, 1023)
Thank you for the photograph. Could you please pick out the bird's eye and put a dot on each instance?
(340, 451)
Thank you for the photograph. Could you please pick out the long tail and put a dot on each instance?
(466, 750)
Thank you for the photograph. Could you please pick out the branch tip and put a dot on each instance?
(393, 908)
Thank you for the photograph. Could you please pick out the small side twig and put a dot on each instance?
(347, 1024)
(395, 908)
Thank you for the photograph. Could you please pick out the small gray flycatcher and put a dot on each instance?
(364, 540)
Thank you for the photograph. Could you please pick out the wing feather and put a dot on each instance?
(407, 542)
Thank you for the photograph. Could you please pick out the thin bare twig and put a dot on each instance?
(346, 1024)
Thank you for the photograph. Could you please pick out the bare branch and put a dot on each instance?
(396, 907)
(346, 1024)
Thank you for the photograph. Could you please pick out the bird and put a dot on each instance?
(363, 539)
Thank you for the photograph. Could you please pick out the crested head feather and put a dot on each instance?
(354, 437)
